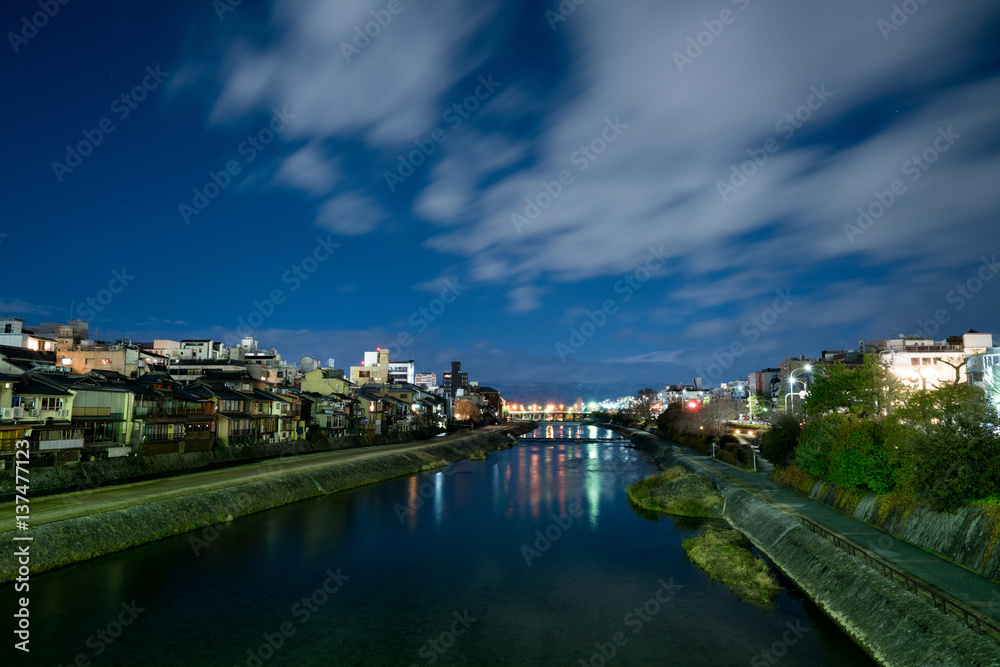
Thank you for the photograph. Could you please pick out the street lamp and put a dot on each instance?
(791, 384)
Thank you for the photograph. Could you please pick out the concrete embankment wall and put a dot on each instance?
(969, 536)
(92, 474)
(61, 543)
(895, 626)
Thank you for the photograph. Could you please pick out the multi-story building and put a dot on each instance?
(402, 372)
(116, 358)
(426, 380)
(923, 363)
(14, 334)
(374, 369)
(454, 380)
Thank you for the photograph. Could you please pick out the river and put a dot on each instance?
(531, 557)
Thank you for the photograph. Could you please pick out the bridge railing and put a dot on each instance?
(893, 573)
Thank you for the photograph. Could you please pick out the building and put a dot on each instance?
(14, 334)
(326, 381)
(426, 380)
(374, 369)
(923, 363)
(402, 372)
(454, 380)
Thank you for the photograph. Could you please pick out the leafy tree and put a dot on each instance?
(671, 419)
(777, 444)
(645, 399)
(866, 391)
(952, 448)
(842, 449)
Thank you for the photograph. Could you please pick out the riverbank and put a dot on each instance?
(969, 536)
(892, 624)
(75, 527)
(92, 474)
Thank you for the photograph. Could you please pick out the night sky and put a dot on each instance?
(624, 191)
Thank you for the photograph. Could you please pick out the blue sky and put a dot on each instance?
(631, 191)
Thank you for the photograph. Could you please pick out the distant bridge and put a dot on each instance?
(573, 440)
(550, 416)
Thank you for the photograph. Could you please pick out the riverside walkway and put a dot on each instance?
(975, 590)
(62, 506)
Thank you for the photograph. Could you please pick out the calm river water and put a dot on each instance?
(532, 557)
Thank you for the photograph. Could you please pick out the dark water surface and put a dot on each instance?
(447, 568)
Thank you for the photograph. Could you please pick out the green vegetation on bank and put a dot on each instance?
(676, 491)
(725, 556)
(865, 431)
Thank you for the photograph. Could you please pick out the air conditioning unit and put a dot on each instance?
(6, 413)
(64, 413)
(18, 413)
(35, 412)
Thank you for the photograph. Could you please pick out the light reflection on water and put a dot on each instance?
(418, 550)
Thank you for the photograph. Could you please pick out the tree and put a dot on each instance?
(466, 410)
(952, 448)
(715, 414)
(758, 406)
(870, 390)
(645, 399)
(777, 444)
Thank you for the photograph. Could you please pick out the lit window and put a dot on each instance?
(106, 362)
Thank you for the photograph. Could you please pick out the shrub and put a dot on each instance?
(850, 452)
(727, 455)
(728, 439)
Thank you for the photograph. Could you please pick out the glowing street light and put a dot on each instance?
(791, 384)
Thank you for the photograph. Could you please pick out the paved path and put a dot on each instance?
(46, 509)
(949, 577)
